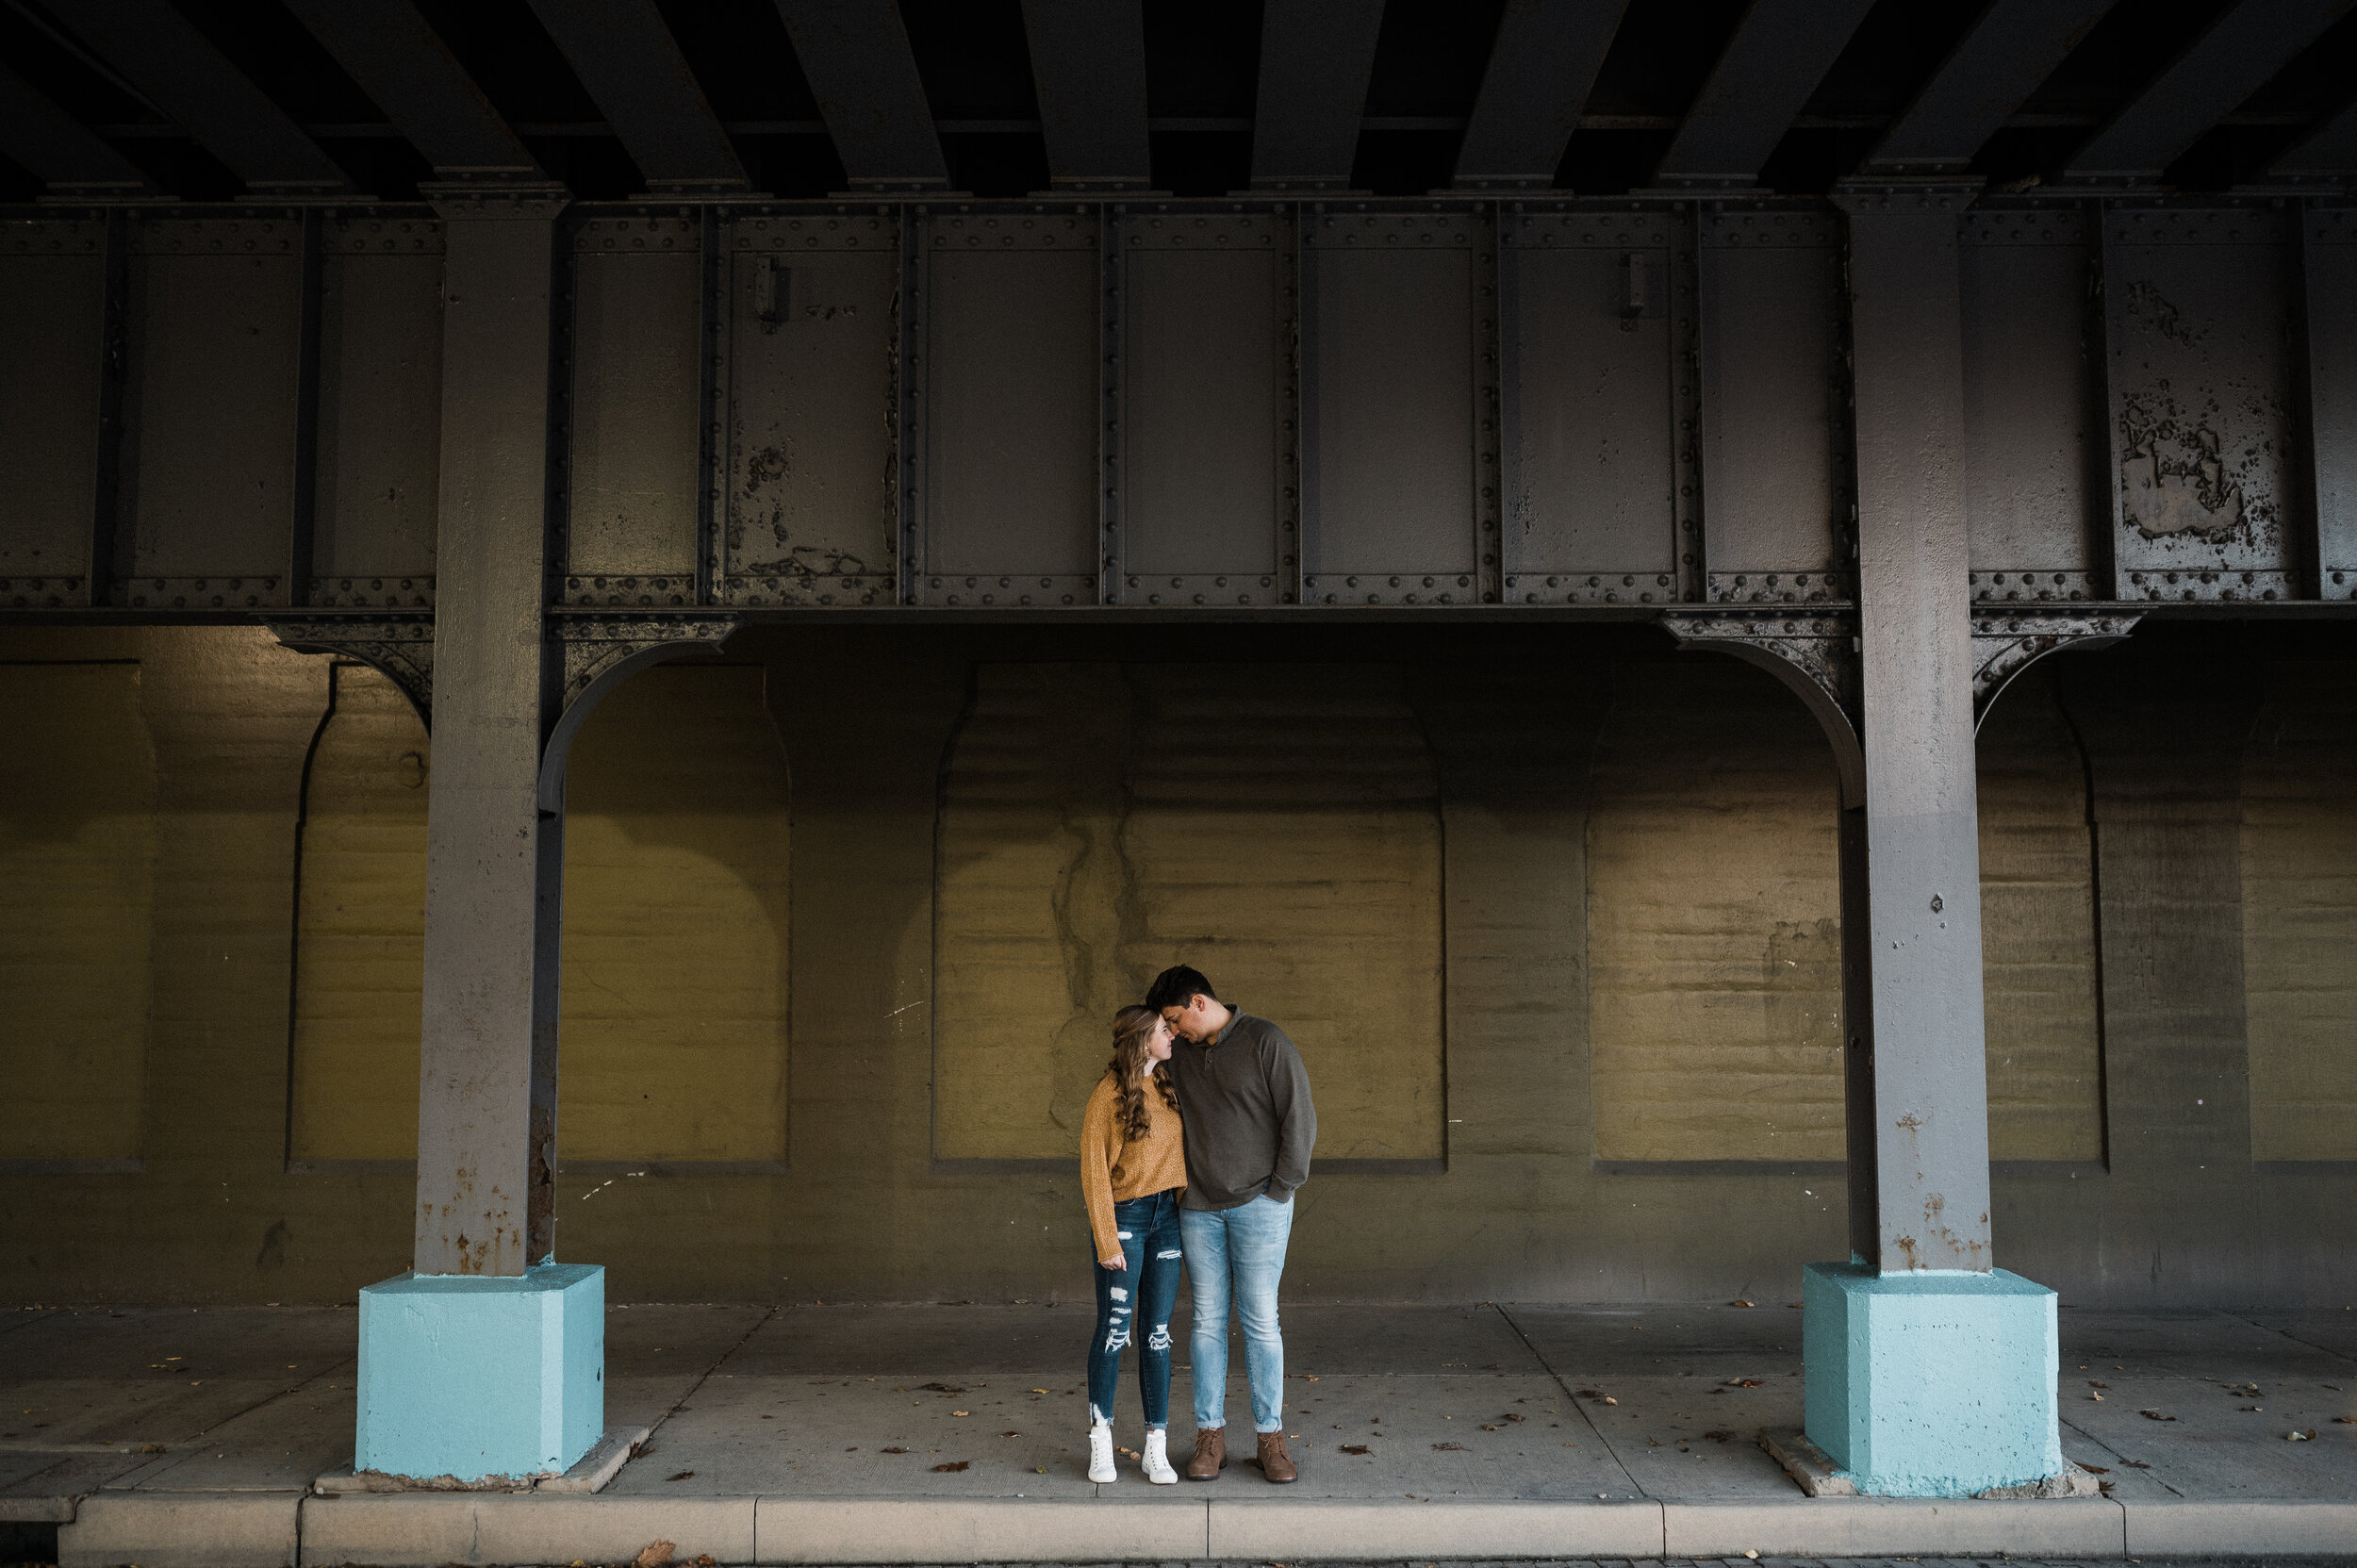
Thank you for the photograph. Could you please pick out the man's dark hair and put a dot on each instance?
(1174, 986)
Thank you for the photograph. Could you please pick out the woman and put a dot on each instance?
(1133, 1171)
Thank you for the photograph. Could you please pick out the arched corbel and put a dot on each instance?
(596, 653)
(2005, 643)
(1815, 656)
(398, 647)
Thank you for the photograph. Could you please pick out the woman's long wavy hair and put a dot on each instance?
(1133, 1026)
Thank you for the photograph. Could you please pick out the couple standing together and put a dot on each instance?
(1192, 1149)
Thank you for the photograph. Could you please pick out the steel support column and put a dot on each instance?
(1930, 1372)
(1927, 1137)
(486, 1141)
(488, 1359)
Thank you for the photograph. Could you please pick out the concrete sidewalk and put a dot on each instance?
(956, 1434)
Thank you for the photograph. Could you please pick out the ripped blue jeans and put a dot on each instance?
(1138, 1296)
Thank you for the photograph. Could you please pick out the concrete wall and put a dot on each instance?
(1550, 909)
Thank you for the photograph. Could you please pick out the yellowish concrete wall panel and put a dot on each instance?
(2037, 933)
(673, 1034)
(77, 900)
(360, 950)
(1714, 921)
(1714, 926)
(2300, 915)
(674, 989)
(1277, 827)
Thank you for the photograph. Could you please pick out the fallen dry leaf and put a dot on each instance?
(2299, 1437)
(1510, 1416)
(2136, 1465)
(683, 1475)
(1444, 1447)
(1354, 1448)
(1010, 1434)
(2095, 1470)
(654, 1554)
(942, 1387)
(2155, 1415)
(1126, 1453)
(2096, 1398)
(1609, 1400)
(1738, 1301)
(2347, 1420)
(1742, 1383)
(955, 1464)
(1039, 1390)
(893, 1450)
(960, 1412)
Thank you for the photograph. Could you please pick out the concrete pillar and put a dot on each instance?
(487, 1359)
(1930, 1372)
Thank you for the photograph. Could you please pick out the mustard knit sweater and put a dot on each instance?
(1113, 1169)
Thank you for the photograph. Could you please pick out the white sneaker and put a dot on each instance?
(1101, 1453)
(1156, 1460)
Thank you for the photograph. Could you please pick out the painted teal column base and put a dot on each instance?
(1931, 1385)
(474, 1377)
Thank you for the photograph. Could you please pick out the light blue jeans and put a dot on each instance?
(1246, 1245)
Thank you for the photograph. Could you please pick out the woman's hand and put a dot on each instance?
(1116, 1261)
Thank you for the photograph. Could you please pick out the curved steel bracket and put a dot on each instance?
(1814, 654)
(2005, 643)
(598, 652)
(398, 647)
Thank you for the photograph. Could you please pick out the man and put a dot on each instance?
(1244, 1100)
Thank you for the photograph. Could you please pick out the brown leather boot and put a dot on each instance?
(1277, 1464)
(1211, 1454)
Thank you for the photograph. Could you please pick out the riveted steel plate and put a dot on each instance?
(380, 416)
(1777, 491)
(52, 286)
(209, 409)
(2033, 486)
(1398, 349)
(1587, 389)
(807, 510)
(2201, 399)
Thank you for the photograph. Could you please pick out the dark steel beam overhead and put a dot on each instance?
(2330, 150)
(1781, 50)
(626, 57)
(2014, 47)
(2228, 63)
(1315, 58)
(1541, 66)
(398, 60)
(63, 153)
(1088, 62)
(855, 55)
(177, 69)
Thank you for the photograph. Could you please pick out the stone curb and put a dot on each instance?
(1288, 1531)
(431, 1530)
(287, 1529)
(1893, 1526)
(879, 1530)
(183, 1529)
(2280, 1529)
